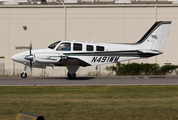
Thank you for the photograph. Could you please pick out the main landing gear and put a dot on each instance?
(71, 75)
(72, 71)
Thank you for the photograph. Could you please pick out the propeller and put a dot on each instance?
(32, 57)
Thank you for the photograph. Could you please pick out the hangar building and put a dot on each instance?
(111, 22)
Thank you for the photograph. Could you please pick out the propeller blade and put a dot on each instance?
(30, 48)
(32, 57)
(31, 66)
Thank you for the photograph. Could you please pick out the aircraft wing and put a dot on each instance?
(73, 61)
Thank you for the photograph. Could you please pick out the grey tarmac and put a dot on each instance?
(95, 80)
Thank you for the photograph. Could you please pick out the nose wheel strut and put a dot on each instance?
(24, 74)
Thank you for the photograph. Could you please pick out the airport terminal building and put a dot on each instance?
(112, 21)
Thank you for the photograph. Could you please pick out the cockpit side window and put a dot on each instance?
(64, 47)
(52, 46)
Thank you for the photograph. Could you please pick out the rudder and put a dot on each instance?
(156, 36)
(161, 36)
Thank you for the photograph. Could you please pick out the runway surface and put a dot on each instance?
(79, 81)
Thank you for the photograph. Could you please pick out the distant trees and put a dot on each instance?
(141, 69)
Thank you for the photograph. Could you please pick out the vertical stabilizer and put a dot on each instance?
(156, 36)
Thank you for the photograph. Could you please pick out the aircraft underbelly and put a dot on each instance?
(72, 62)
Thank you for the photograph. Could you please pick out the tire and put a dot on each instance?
(23, 75)
(71, 75)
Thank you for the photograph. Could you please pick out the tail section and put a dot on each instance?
(155, 38)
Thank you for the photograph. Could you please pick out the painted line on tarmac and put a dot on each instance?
(86, 85)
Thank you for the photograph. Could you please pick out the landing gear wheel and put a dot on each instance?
(23, 75)
(71, 75)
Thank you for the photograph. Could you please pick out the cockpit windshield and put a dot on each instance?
(52, 46)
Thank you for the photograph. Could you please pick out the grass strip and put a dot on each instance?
(91, 102)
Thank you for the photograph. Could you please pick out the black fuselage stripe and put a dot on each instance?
(122, 54)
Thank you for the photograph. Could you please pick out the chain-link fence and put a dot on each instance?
(2, 68)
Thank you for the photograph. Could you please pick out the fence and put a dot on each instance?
(2, 68)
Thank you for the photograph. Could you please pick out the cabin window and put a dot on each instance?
(64, 47)
(52, 46)
(99, 48)
(89, 47)
(77, 47)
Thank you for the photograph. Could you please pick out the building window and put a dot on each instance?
(99, 48)
(89, 47)
(77, 47)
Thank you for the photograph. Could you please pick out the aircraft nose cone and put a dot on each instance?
(15, 58)
(20, 57)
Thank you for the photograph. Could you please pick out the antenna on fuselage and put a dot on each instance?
(94, 39)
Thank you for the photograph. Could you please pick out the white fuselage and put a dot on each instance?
(108, 53)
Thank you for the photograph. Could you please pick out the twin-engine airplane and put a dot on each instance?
(74, 54)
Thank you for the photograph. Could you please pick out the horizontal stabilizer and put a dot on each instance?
(150, 51)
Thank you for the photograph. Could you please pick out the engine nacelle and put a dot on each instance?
(47, 58)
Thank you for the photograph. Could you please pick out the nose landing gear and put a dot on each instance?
(24, 74)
